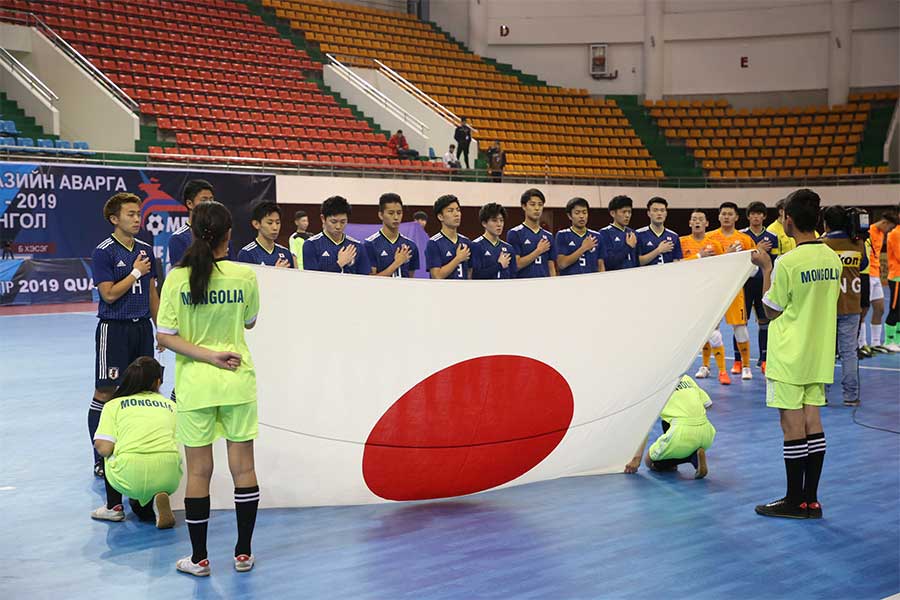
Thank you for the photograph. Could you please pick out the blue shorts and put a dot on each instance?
(118, 344)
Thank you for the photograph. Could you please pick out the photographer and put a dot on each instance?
(843, 236)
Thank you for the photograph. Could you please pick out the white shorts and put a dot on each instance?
(876, 290)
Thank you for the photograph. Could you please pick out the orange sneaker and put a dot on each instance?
(762, 366)
(724, 379)
(736, 367)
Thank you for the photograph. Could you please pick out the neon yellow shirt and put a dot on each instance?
(686, 401)
(139, 424)
(296, 247)
(217, 323)
(806, 284)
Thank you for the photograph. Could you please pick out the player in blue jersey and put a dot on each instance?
(448, 253)
(577, 247)
(656, 244)
(266, 220)
(195, 192)
(756, 215)
(332, 251)
(390, 253)
(125, 275)
(534, 245)
(618, 240)
(492, 258)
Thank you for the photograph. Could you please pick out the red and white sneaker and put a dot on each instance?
(116, 513)
(243, 562)
(200, 569)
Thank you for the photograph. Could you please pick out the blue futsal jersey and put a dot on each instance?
(524, 240)
(113, 261)
(765, 235)
(647, 241)
(380, 253)
(485, 255)
(567, 242)
(179, 242)
(255, 254)
(320, 253)
(441, 250)
(616, 253)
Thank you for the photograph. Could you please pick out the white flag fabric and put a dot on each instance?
(376, 389)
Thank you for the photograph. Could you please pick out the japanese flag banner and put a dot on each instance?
(374, 389)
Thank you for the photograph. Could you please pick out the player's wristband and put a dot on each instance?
(136, 274)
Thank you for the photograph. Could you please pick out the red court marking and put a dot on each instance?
(48, 309)
(468, 428)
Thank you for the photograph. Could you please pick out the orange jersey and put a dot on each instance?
(690, 247)
(876, 240)
(893, 252)
(743, 239)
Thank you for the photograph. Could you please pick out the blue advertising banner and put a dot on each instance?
(56, 211)
(48, 281)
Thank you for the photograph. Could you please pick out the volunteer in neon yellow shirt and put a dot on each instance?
(205, 306)
(136, 436)
(801, 296)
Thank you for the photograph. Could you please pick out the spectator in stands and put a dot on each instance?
(301, 222)
(496, 161)
(398, 144)
(463, 137)
(7, 250)
(450, 160)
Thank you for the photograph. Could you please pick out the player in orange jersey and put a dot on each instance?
(698, 245)
(733, 240)
(878, 232)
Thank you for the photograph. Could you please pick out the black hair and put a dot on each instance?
(299, 214)
(140, 376)
(529, 193)
(194, 187)
(113, 206)
(890, 215)
(780, 204)
(701, 211)
(731, 205)
(443, 202)
(490, 211)
(757, 207)
(399, 131)
(620, 202)
(575, 202)
(835, 218)
(657, 200)
(389, 198)
(420, 215)
(263, 210)
(336, 205)
(210, 223)
(802, 206)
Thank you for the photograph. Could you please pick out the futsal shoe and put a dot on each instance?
(813, 510)
(99, 471)
(200, 569)
(724, 379)
(879, 349)
(746, 373)
(702, 467)
(243, 563)
(702, 373)
(164, 517)
(116, 513)
(851, 402)
(892, 347)
(762, 367)
(863, 353)
(736, 367)
(781, 508)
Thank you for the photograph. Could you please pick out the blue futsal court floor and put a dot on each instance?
(615, 536)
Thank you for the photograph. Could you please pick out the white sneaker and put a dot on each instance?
(746, 373)
(200, 569)
(893, 347)
(702, 373)
(116, 513)
(164, 517)
(242, 562)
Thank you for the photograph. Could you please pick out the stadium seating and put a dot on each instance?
(811, 141)
(544, 129)
(217, 80)
(20, 133)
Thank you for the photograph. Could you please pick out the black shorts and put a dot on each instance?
(118, 344)
(753, 298)
(864, 291)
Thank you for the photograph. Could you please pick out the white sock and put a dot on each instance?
(861, 340)
(876, 334)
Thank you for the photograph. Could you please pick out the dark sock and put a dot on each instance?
(246, 502)
(693, 459)
(94, 422)
(763, 339)
(670, 463)
(737, 351)
(144, 513)
(113, 497)
(816, 445)
(794, 466)
(196, 515)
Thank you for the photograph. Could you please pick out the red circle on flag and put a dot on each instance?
(468, 428)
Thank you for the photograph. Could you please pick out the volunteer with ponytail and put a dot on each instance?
(206, 304)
